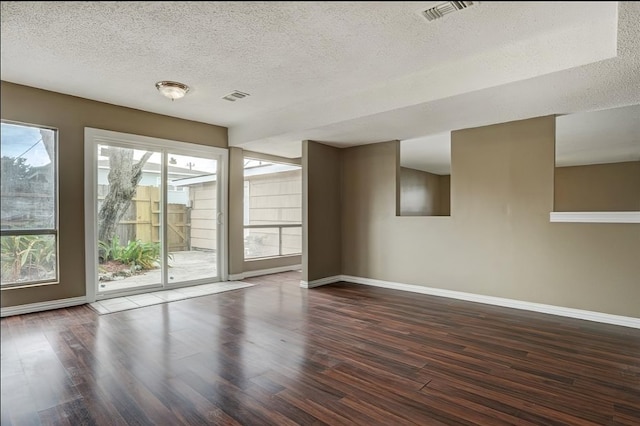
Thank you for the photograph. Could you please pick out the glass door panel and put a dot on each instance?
(192, 218)
(129, 215)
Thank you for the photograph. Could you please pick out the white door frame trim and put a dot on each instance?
(93, 137)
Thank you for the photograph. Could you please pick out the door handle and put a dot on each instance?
(219, 218)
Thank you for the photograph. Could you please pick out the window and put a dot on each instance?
(29, 205)
(272, 209)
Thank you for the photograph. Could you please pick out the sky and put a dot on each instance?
(193, 163)
(200, 164)
(17, 139)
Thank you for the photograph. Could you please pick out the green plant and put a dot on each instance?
(13, 258)
(43, 252)
(110, 250)
(28, 257)
(143, 255)
(138, 253)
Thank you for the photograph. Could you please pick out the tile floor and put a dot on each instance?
(118, 304)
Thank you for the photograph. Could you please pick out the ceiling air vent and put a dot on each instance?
(235, 95)
(440, 10)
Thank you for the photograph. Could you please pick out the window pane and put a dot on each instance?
(261, 242)
(291, 241)
(192, 213)
(273, 193)
(28, 258)
(28, 204)
(272, 196)
(130, 211)
(28, 177)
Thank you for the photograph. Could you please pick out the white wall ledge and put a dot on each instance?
(595, 217)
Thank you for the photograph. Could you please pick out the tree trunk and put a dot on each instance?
(124, 177)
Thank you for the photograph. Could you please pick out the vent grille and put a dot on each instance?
(440, 10)
(235, 95)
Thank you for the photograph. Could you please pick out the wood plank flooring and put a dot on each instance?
(275, 354)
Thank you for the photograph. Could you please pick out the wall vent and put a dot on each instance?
(440, 10)
(235, 95)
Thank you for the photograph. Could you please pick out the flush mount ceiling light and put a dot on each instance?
(172, 89)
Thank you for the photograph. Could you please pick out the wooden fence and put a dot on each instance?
(142, 219)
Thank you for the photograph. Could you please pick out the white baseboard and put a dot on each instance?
(249, 274)
(490, 300)
(321, 281)
(42, 306)
(499, 301)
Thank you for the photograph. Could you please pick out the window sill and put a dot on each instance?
(27, 285)
(595, 217)
(284, 256)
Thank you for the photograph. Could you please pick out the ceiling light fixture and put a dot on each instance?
(172, 89)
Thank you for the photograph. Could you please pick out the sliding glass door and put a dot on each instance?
(192, 218)
(130, 212)
(156, 216)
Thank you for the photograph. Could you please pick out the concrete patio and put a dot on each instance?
(185, 266)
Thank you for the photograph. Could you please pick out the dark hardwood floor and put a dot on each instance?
(338, 354)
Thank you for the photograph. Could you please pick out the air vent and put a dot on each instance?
(235, 95)
(440, 10)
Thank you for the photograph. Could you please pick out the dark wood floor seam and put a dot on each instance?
(276, 354)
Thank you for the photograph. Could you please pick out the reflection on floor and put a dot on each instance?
(139, 300)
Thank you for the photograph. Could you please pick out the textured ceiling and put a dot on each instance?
(342, 72)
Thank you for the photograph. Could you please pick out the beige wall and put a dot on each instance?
(499, 241)
(445, 195)
(70, 115)
(236, 210)
(322, 225)
(598, 187)
(423, 193)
